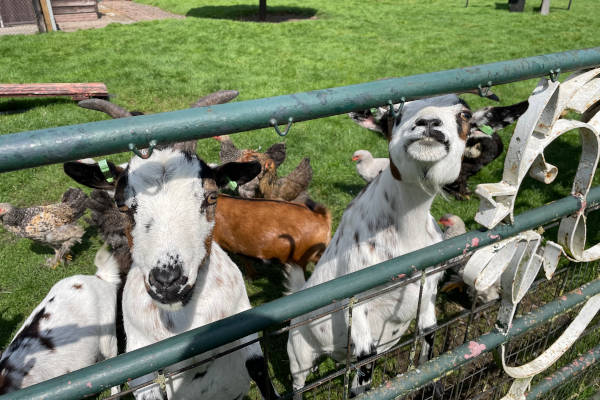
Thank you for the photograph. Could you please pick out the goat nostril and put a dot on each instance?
(428, 122)
(165, 277)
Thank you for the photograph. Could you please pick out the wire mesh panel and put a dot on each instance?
(19, 16)
(17, 12)
(480, 379)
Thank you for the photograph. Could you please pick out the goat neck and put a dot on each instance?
(388, 202)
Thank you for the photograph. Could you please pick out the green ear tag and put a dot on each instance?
(105, 170)
(486, 129)
(232, 185)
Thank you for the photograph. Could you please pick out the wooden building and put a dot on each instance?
(74, 10)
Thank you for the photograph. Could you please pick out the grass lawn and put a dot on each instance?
(166, 65)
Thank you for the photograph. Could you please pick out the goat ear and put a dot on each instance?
(91, 175)
(236, 171)
(499, 117)
(373, 122)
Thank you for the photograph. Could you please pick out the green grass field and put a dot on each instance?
(166, 65)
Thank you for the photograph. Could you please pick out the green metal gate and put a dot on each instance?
(34, 148)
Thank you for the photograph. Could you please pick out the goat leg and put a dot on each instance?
(362, 380)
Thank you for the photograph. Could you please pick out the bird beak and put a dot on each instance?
(444, 222)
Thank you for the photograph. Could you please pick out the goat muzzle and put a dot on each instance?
(168, 285)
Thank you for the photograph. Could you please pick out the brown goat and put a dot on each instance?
(272, 229)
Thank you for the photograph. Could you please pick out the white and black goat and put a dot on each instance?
(483, 143)
(180, 278)
(390, 217)
(73, 327)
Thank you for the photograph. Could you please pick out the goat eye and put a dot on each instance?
(211, 197)
(123, 208)
(466, 115)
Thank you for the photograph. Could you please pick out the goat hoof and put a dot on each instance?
(359, 390)
(434, 390)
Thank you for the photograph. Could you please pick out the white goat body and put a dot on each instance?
(180, 279)
(389, 218)
(73, 327)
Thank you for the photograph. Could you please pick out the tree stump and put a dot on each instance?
(545, 8)
(262, 10)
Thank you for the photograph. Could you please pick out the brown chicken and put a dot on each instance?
(112, 225)
(289, 188)
(230, 153)
(54, 225)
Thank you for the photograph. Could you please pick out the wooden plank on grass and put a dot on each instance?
(78, 91)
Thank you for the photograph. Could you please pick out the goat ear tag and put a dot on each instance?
(486, 129)
(232, 184)
(105, 170)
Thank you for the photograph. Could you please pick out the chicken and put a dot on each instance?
(54, 225)
(454, 226)
(230, 153)
(289, 188)
(367, 166)
(112, 225)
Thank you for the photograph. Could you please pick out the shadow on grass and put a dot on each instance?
(250, 13)
(536, 9)
(350, 188)
(24, 105)
(8, 326)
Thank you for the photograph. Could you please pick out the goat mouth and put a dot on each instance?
(171, 295)
(430, 140)
(426, 149)
(433, 138)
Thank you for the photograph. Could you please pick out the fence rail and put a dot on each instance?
(111, 372)
(28, 149)
(53, 145)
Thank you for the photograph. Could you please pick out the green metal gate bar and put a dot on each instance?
(559, 377)
(47, 146)
(151, 358)
(451, 360)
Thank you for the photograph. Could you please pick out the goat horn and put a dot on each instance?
(220, 97)
(105, 106)
(487, 94)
